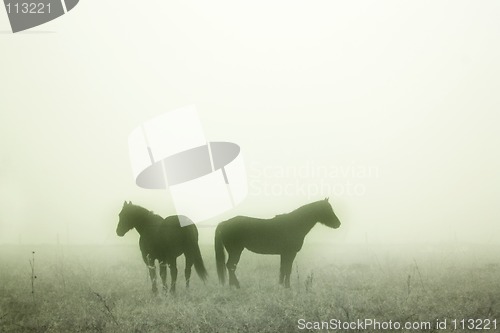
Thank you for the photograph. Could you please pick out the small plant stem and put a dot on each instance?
(33, 276)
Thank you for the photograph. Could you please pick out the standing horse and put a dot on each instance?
(163, 240)
(283, 235)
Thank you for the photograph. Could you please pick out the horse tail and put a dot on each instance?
(193, 250)
(199, 266)
(220, 256)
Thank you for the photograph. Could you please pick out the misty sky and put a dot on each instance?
(390, 108)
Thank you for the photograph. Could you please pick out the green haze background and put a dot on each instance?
(395, 99)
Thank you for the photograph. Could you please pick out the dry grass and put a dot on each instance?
(106, 289)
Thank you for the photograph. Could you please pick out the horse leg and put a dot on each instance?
(163, 275)
(187, 270)
(232, 262)
(172, 264)
(287, 266)
(152, 273)
(282, 269)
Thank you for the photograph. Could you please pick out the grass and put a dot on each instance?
(107, 289)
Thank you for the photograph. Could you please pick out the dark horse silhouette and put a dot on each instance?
(283, 235)
(163, 240)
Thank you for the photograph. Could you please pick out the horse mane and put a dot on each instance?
(149, 214)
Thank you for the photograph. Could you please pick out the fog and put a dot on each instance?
(389, 108)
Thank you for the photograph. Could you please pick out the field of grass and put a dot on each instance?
(106, 289)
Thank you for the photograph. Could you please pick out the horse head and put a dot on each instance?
(327, 216)
(126, 220)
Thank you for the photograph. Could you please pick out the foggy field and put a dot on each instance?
(106, 289)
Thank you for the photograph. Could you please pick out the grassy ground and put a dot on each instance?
(106, 289)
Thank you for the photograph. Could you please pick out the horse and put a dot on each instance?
(163, 240)
(282, 235)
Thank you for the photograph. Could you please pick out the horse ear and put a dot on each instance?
(130, 202)
(327, 198)
(124, 203)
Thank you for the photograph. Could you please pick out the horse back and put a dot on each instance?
(268, 236)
